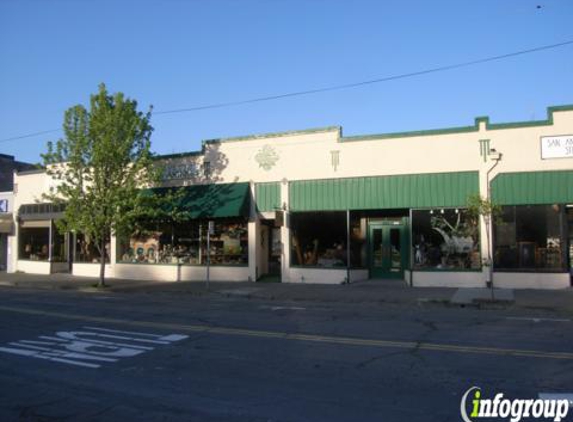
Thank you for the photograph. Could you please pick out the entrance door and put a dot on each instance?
(387, 250)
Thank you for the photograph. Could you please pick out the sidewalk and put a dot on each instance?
(372, 292)
(383, 291)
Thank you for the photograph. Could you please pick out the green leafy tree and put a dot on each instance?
(100, 167)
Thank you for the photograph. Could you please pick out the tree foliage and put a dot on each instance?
(100, 166)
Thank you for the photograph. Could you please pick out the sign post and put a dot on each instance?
(210, 231)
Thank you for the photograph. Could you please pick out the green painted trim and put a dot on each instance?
(430, 132)
(274, 134)
(216, 141)
(311, 267)
(464, 129)
(178, 155)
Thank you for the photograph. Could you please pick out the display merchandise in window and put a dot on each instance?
(34, 243)
(531, 238)
(318, 239)
(445, 239)
(86, 250)
(186, 244)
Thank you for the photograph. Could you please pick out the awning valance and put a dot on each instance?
(43, 211)
(530, 188)
(384, 192)
(211, 201)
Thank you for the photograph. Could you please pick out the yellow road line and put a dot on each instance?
(350, 341)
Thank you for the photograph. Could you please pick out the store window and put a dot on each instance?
(34, 243)
(445, 239)
(318, 239)
(86, 250)
(186, 244)
(530, 238)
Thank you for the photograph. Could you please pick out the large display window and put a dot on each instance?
(34, 243)
(186, 244)
(531, 238)
(445, 239)
(86, 250)
(318, 239)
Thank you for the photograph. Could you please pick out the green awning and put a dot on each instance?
(531, 188)
(384, 192)
(211, 201)
(268, 196)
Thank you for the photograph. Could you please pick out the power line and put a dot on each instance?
(339, 87)
(369, 82)
(30, 135)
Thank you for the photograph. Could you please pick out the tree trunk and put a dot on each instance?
(101, 282)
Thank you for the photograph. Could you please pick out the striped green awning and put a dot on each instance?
(211, 201)
(384, 192)
(530, 188)
(268, 196)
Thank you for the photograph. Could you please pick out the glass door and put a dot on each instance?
(386, 250)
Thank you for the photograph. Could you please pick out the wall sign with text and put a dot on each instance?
(556, 146)
(180, 171)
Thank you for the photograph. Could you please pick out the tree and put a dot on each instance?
(479, 208)
(100, 167)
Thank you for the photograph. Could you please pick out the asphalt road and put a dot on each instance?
(72, 356)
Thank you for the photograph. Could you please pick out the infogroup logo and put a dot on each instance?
(513, 409)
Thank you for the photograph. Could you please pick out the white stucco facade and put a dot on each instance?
(325, 154)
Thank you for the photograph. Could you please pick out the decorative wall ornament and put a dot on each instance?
(484, 148)
(335, 159)
(267, 157)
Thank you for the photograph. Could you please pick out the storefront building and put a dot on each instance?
(314, 206)
(8, 165)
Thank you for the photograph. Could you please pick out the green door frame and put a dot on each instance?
(388, 248)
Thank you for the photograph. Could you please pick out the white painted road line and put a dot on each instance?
(283, 308)
(32, 354)
(532, 319)
(96, 342)
(77, 347)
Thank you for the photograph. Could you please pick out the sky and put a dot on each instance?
(176, 54)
